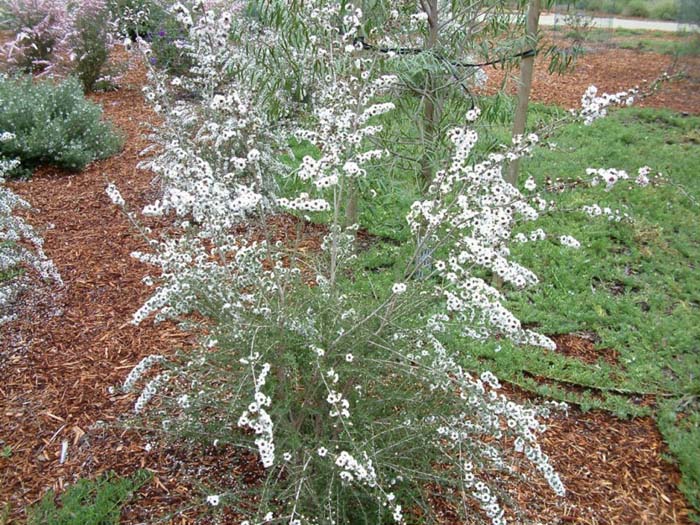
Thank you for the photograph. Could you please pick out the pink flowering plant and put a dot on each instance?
(58, 37)
(40, 27)
(345, 384)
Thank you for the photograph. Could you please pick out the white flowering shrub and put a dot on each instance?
(20, 246)
(346, 385)
(216, 164)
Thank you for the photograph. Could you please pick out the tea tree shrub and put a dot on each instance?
(351, 399)
(52, 123)
(21, 248)
(344, 383)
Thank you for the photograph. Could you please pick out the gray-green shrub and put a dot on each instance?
(52, 123)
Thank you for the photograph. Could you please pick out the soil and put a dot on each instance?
(71, 346)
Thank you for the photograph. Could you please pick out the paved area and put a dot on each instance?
(624, 23)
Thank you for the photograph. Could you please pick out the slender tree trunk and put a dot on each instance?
(352, 208)
(431, 110)
(526, 69)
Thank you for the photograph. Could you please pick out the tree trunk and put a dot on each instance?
(431, 110)
(527, 64)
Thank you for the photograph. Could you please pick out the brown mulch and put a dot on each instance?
(611, 71)
(60, 359)
(582, 347)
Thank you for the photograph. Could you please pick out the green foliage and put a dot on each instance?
(90, 44)
(638, 8)
(665, 10)
(164, 39)
(679, 421)
(655, 9)
(88, 502)
(53, 124)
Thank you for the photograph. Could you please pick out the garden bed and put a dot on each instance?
(64, 357)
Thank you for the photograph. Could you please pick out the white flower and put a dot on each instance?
(349, 358)
(114, 195)
(473, 114)
(213, 500)
(420, 17)
(322, 452)
(398, 288)
(567, 240)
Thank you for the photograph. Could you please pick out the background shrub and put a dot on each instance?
(665, 10)
(58, 37)
(90, 42)
(636, 8)
(40, 28)
(167, 46)
(53, 124)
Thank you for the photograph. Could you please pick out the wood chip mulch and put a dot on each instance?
(611, 71)
(60, 360)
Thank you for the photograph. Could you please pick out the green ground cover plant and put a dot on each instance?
(52, 123)
(643, 276)
(88, 502)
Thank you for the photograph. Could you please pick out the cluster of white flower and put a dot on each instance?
(137, 372)
(478, 208)
(612, 176)
(643, 176)
(535, 235)
(609, 176)
(353, 470)
(568, 240)
(594, 210)
(594, 106)
(256, 417)
(150, 390)
(304, 203)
